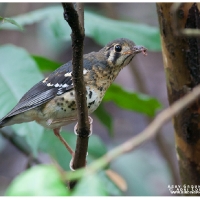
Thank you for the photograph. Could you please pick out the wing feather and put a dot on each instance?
(53, 85)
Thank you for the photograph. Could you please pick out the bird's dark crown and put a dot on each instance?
(120, 41)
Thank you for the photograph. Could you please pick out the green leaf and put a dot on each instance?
(141, 34)
(45, 64)
(104, 118)
(52, 145)
(9, 20)
(41, 180)
(32, 17)
(96, 28)
(132, 101)
(18, 73)
(91, 185)
(96, 147)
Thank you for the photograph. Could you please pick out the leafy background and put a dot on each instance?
(37, 42)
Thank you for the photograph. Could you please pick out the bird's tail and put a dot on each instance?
(4, 121)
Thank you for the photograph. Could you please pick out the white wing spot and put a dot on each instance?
(44, 81)
(85, 71)
(56, 85)
(49, 84)
(59, 91)
(65, 85)
(68, 74)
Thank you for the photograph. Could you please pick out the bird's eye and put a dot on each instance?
(118, 48)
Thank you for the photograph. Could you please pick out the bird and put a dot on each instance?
(51, 102)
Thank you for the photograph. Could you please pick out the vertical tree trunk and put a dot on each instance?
(181, 55)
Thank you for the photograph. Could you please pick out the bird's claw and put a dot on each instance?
(90, 122)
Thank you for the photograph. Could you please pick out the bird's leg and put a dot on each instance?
(90, 122)
(57, 133)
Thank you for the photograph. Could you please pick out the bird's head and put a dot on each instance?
(120, 52)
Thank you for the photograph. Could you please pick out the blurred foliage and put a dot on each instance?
(41, 180)
(20, 71)
(9, 20)
(104, 118)
(147, 175)
(44, 64)
(96, 185)
(47, 180)
(91, 185)
(51, 145)
(96, 28)
(132, 101)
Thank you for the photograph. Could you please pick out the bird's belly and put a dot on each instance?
(62, 110)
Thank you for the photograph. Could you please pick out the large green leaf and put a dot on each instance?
(104, 118)
(41, 180)
(18, 73)
(99, 185)
(91, 185)
(52, 145)
(132, 101)
(101, 29)
(45, 64)
(104, 30)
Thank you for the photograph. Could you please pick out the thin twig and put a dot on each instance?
(144, 136)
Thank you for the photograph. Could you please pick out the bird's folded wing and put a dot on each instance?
(57, 83)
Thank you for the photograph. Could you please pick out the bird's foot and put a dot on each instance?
(90, 122)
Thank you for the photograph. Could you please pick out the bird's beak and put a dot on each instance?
(139, 49)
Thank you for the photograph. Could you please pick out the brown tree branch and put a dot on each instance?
(76, 22)
(148, 133)
(80, 11)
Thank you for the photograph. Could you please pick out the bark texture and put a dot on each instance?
(181, 56)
